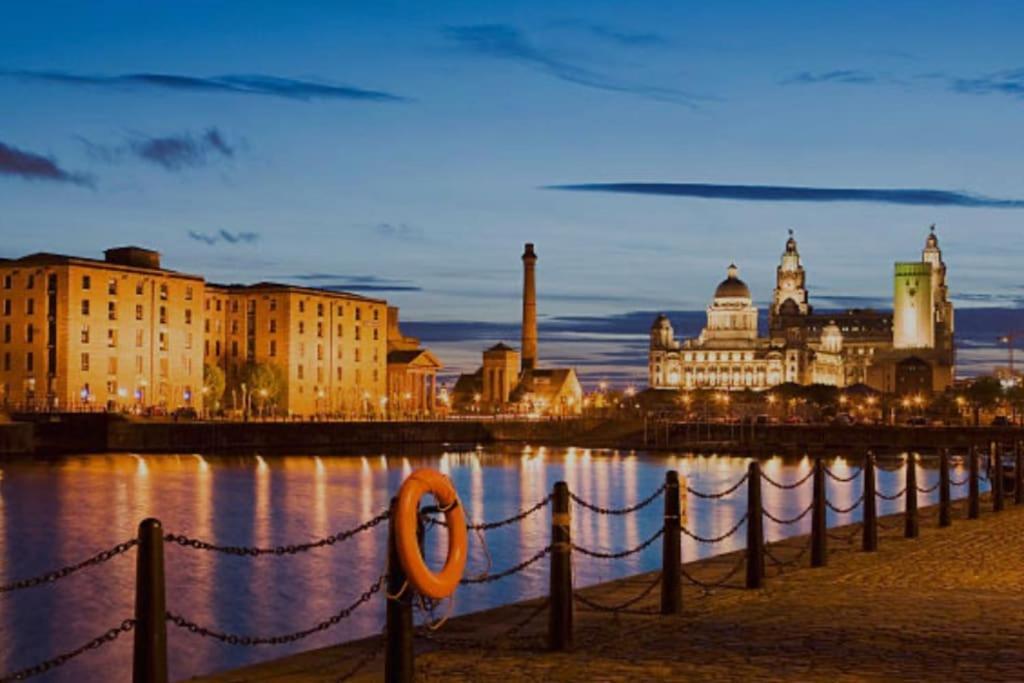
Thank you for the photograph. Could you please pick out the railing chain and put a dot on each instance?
(715, 539)
(618, 511)
(489, 578)
(720, 494)
(99, 641)
(843, 511)
(895, 496)
(252, 551)
(792, 520)
(56, 575)
(795, 484)
(621, 553)
(844, 480)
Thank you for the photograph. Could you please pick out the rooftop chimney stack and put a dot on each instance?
(529, 308)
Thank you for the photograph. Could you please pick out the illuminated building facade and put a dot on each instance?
(125, 334)
(119, 333)
(909, 350)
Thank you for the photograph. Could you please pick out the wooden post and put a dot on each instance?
(560, 613)
(911, 528)
(755, 528)
(996, 475)
(1018, 474)
(870, 541)
(973, 504)
(671, 548)
(399, 663)
(819, 521)
(149, 659)
(945, 511)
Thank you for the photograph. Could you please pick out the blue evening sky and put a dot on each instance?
(403, 148)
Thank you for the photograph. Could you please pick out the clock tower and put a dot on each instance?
(790, 296)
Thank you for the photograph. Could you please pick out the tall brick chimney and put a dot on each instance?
(529, 308)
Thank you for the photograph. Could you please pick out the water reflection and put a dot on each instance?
(56, 513)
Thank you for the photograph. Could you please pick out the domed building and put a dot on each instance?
(883, 349)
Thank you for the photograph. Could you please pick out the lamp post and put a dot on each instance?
(1010, 339)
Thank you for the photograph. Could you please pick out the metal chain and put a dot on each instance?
(959, 483)
(894, 496)
(844, 480)
(251, 551)
(790, 562)
(707, 586)
(716, 539)
(843, 511)
(848, 538)
(622, 606)
(489, 578)
(234, 639)
(487, 526)
(780, 485)
(794, 520)
(622, 553)
(929, 489)
(618, 511)
(56, 575)
(722, 494)
(99, 641)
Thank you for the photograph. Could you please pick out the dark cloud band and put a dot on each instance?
(250, 84)
(781, 193)
(31, 166)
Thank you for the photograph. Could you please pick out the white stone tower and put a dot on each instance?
(790, 283)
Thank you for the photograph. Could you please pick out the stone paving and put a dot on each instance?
(946, 606)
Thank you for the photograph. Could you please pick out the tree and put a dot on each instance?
(1015, 397)
(213, 386)
(264, 384)
(983, 394)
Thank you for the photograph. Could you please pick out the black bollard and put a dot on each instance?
(996, 475)
(973, 503)
(945, 511)
(1018, 474)
(399, 663)
(671, 548)
(910, 523)
(560, 611)
(819, 521)
(149, 659)
(870, 541)
(755, 528)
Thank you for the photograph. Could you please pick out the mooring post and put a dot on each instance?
(819, 521)
(149, 659)
(671, 548)
(870, 541)
(399, 663)
(755, 528)
(996, 475)
(910, 524)
(945, 512)
(973, 503)
(560, 613)
(1018, 473)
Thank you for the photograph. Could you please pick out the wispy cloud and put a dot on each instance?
(782, 193)
(31, 166)
(842, 76)
(224, 236)
(355, 283)
(244, 84)
(500, 41)
(171, 152)
(615, 35)
(399, 231)
(1008, 82)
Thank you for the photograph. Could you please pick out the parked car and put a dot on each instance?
(843, 420)
(185, 413)
(1001, 421)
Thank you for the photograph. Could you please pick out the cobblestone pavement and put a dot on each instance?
(946, 606)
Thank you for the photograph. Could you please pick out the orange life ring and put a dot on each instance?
(436, 585)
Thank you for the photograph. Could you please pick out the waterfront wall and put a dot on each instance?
(16, 438)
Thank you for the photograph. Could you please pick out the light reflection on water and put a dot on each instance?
(60, 512)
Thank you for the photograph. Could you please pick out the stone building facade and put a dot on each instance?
(79, 333)
(126, 334)
(910, 349)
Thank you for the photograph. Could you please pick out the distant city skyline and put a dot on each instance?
(407, 151)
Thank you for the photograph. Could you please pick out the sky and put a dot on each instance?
(407, 150)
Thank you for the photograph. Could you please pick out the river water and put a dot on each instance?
(59, 512)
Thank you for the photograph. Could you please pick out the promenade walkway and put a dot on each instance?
(946, 606)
